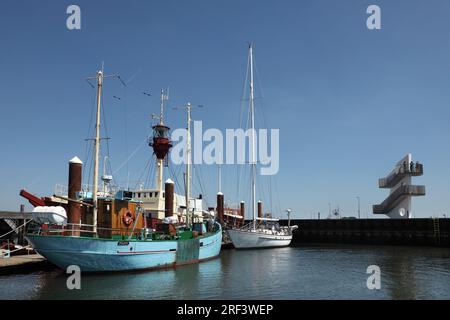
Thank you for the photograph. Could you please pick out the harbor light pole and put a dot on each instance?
(289, 217)
(359, 208)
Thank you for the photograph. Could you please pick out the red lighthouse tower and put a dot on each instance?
(160, 142)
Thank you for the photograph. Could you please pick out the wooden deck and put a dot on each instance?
(25, 263)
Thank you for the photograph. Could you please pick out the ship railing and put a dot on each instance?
(262, 222)
(62, 189)
(88, 230)
(398, 173)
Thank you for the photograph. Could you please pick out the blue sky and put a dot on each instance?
(349, 102)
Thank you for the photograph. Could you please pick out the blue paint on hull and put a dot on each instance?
(103, 255)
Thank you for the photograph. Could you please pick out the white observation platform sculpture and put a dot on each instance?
(398, 204)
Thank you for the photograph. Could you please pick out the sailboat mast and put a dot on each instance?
(97, 150)
(188, 164)
(252, 140)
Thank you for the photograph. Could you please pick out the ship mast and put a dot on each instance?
(164, 97)
(252, 138)
(160, 164)
(97, 150)
(99, 77)
(188, 164)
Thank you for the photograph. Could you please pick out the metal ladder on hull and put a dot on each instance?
(437, 231)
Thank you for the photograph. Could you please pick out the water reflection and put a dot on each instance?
(399, 274)
(314, 272)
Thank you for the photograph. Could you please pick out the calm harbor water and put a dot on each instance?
(307, 272)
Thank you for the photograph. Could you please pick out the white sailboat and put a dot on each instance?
(260, 232)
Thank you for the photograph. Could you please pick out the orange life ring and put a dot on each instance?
(128, 218)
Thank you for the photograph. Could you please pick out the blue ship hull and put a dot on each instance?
(104, 255)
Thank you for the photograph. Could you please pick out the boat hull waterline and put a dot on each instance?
(105, 255)
(247, 239)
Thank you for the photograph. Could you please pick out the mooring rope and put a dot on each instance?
(27, 246)
(14, 230)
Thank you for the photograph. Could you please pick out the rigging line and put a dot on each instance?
(175, 177)
(105, 126)
(243, 108)
(201, 181)
(102, 150)
(261, 92)
(16, 229)
(152, 172)
(204, 184)
(171, 173)
(238, 171)
(149, 174)
(87, 172)
(130, 156)
(242, 179)
(270, 194)
(88, 149)
(263, 192)
(244, 92)
(265, 124)
(180, 175)
(199, 176)
(132, 77)
(138, 181)
(125, 93)
(90, 165)
(278, 202)
(263, 119)
(109, 166)
(195, 174)
(146, 180)
(267, 196)
(260, 88)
